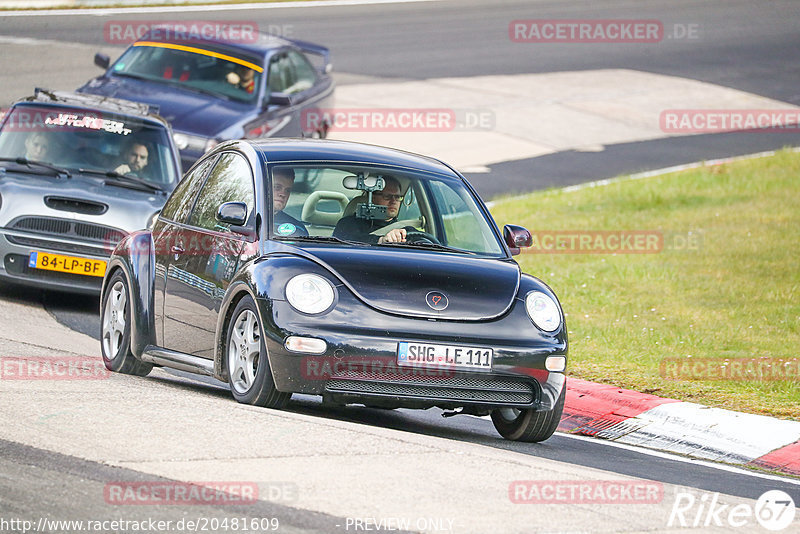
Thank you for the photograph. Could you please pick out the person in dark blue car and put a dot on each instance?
(283, 223)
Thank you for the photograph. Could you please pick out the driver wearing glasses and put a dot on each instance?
(352, 228)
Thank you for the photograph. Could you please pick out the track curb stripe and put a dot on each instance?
(640, 419)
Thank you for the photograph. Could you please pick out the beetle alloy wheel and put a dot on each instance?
(244, 350)
(114, 319)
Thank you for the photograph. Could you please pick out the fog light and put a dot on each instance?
(555, 363)
(310, 345)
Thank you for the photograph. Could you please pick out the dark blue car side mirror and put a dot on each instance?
(102, 60)
(279, 99)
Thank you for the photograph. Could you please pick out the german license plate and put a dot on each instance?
(444, 356)
(66, 264)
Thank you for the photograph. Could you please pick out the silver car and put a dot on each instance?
(77, 174)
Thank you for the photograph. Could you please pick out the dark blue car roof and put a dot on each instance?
(293, 150)
(265, 43)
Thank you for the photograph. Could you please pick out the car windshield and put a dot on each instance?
(75, 139)
(193, 68)
(332, 203)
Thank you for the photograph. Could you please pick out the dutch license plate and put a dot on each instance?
(66, 264)
(444, 356)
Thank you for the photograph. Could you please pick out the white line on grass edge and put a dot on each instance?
(650, 174)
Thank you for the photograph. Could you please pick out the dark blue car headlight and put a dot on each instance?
(543, 311)
(310, 293)
(193, 142)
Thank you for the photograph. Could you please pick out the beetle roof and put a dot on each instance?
(293, 150)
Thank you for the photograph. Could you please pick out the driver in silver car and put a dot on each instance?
(352, 228)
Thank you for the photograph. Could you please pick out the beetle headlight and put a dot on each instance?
(309, 293)
(543, 311)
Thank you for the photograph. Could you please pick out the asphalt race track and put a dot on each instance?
(335, 464)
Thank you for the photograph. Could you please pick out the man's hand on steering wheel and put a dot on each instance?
(398, 235)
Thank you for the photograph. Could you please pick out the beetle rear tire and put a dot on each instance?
(529, 425)
(249, 373)
(115, 342)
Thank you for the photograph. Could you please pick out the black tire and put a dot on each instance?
(247, 361)
(115, 324)
(529, 425)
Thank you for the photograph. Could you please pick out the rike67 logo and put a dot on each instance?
(774, 510)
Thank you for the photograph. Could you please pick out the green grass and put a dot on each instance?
(734, 292)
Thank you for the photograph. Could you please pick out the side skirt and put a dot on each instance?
(178, 360)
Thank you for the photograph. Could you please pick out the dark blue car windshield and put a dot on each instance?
(193, 68)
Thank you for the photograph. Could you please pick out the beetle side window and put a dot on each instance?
(230, 181)
(179, 205)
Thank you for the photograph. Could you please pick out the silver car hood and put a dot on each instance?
(24, 194)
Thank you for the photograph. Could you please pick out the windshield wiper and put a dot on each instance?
(124, 179)
(317, 239)
(29, 162)
(431, 245)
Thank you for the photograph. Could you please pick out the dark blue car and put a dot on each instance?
(214, 90)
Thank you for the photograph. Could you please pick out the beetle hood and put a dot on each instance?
(420, 283)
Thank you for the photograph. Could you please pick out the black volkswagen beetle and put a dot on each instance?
(386, 284)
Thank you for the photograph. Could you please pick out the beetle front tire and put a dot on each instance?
(249, 373)
(527, 424)
(115, 342)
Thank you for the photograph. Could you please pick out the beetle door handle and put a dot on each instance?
(177, 250)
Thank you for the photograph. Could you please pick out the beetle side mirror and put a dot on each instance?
(233, 213)
(516, 237)
(102, 61)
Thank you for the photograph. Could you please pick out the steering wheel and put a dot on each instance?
(421, 237)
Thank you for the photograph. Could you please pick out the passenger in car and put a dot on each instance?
(283, 223)
(243, 78)
(36, 146)
(353, 228)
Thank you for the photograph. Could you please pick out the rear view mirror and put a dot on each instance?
(364, 183)
(102, 60)
(516, 237)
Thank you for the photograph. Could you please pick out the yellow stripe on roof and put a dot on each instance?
(201, 51)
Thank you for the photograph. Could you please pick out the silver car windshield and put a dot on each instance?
(360, 205)
(83, 139)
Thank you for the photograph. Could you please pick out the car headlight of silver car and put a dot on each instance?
(310, 293)
(543, 311)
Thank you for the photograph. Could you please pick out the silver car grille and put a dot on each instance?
(67, 228)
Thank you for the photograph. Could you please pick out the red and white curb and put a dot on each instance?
(686, 428)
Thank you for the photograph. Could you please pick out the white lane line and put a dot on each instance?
(667, 170)
(692, 461)
(99, 12)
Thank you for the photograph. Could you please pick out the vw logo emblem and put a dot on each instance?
(437, 300)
